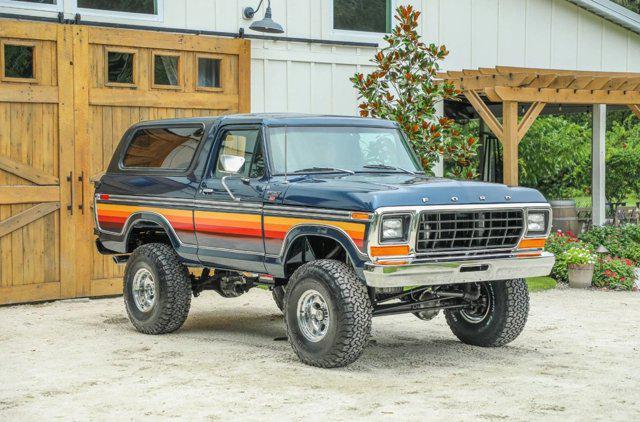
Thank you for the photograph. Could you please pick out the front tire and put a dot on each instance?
(157, 289)
(498, 318)
(327, 314)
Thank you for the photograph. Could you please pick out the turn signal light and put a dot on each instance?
(392, 262)
(537, 243)
(361, 216)
(393, 250)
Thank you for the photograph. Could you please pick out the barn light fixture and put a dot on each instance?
(266, 24)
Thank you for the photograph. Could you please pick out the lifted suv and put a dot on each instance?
(333, 214)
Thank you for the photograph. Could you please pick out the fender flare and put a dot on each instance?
(145, 216)
(357, 257)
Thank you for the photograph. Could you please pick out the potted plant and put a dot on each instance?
(580, 266)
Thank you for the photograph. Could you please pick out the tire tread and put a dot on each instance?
(174, 277)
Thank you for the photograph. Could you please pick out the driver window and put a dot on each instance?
(242, 143)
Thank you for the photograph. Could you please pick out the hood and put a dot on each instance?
(367, 192)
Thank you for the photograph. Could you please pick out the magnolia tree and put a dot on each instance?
(404, 88)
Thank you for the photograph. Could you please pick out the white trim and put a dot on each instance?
(57, 7)
(159, 17)
(329, 33)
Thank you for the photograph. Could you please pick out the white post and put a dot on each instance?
(598, 201)
(438, 168)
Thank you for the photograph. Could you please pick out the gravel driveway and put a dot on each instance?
(579, 357)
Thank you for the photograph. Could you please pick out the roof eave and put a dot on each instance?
(612, 12)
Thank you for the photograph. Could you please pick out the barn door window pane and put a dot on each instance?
(120, 67)
(362, 15)
(170, 147)
(18, 61)
(208, 72)
(166, 70)
(148, 7)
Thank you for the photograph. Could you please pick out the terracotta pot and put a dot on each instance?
(580, 276)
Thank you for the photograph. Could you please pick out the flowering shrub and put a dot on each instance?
(614, 273)
(622, 241)
(579, 255)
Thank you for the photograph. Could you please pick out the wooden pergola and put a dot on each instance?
(538, 87)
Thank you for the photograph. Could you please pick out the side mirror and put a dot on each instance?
(231, 163)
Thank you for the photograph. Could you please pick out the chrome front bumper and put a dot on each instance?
(453, 272)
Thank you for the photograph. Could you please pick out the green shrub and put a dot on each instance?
(614, 273)
(622, 242)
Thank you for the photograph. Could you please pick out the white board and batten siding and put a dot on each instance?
(302, 77)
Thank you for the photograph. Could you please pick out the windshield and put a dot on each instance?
(329, 149)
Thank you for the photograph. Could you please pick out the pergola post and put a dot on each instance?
(598, 200)
(510, 142)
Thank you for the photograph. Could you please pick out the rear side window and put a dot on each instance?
(170, 147)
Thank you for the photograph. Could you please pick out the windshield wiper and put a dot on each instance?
(324, 170)
(386, 167)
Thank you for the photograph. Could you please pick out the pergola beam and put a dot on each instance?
(529, 117)
(566, 96)
(635, 109)
(485, 113)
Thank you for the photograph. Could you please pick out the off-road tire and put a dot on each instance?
(349, 312)
(173, 289)
(503, 323)
(278, 294)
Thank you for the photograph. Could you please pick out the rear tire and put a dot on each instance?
(278, 293)
(327, 314)
(497, 324)
(157, 289)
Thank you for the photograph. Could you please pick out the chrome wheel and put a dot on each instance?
(313, 315)
(144, 290)
(478, 311)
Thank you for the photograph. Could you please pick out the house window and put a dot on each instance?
(166, 71)
(121, 68)
(362, 15)
(52, 5)
(37, 1)
(18, 61)
(208, 72)
(147, 7)
(170, 147)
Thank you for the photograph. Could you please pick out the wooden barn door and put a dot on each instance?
(170, 76)
(37, 231)
(60, 125)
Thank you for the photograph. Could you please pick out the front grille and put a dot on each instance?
(450, 231)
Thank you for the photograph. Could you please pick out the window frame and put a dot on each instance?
(160, 170)
(215, 153)
(152, 70)
(22, 43)
(219, 57)
(58, 7)
(329, 32)
(134, 69)
(159, 17)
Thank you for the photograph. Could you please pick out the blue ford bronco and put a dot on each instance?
(333, 214)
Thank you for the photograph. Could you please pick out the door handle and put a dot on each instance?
(70, 180)
(81, 180)
(207, 191)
